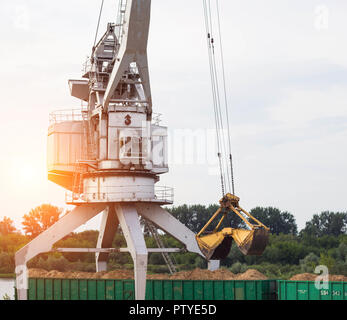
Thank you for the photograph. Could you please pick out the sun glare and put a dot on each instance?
(26, 174)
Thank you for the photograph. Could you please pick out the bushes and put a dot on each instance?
(6, 262)
(155, 259)
(158, 269)
(53, 262)
(327, 260)
(276, 271)
(238, 267)
(284, 256)
(235, 255)
(341, 252)
(309, 263)
(82, 266)
(187, 259)
(200, 263)
(12, 242)
(60, 263)
(339, 268)
(86, 239)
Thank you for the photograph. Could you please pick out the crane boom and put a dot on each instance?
(133, 49)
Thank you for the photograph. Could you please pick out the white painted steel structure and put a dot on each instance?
(110, 155)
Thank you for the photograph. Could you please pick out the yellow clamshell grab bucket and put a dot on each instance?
(216, 245)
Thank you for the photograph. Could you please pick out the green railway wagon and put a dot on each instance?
(306, 290)
(105, 289)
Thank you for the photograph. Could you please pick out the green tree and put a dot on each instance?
(276, 220)
(235, 255)
(196, 216)
(327, 223)
(309, 263)
(7, 227)
(85, 239)
(238, 267)
(40, 218)
(327, 260)
(342, 252)
(6, 262)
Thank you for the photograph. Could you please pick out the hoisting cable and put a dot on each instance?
(217, 122)
(225, 99)
(97, 28)
(216, 100)
(219, 109)
(225, 171)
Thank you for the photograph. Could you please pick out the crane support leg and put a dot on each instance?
(130, 224)
(213, 265)
(165, 221)
(44, 242)
(108, 229)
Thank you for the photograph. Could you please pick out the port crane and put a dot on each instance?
(110, 156)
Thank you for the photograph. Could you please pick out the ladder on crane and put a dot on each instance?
(169, 262)
(88, 154)
(89, 147)
(77, 188)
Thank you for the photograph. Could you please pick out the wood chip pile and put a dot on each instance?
(196, 274)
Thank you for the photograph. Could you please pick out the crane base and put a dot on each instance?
(124, 214)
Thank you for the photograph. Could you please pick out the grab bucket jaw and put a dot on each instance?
(216, 246)
(251, 242)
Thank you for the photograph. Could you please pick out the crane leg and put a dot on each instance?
(213, 265)
(44, 241)
(108, 229)
(165, 221)
(130, 224)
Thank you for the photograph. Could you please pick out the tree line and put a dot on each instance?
(323, 240)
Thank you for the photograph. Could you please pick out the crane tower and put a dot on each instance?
(110, 153)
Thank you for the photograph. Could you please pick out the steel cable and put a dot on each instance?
(98, 25)
(225, 98)
(214, 95)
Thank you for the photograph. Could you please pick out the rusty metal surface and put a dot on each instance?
(257, 245)
(222, 251)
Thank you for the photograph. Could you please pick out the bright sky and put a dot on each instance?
(286, 63)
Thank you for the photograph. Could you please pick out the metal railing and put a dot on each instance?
(162, 194)
(66, 115)
(156, 118)
(87, 66)
(133, 157)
